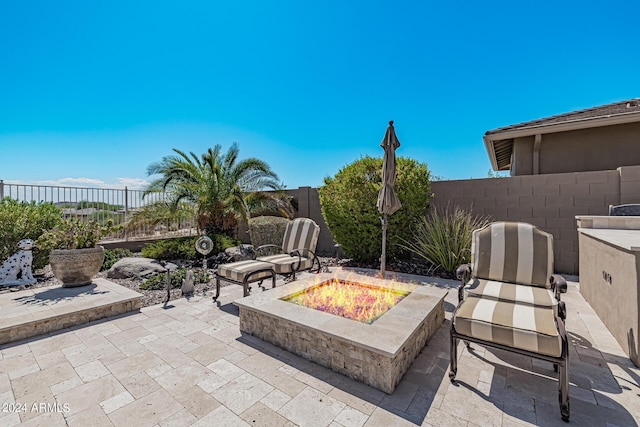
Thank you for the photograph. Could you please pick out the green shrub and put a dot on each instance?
(111, 256)
(185, 247)
(159, 281)
(267, 230)
(75, 233)
(443, 237)
(349, 206)
(22, 220)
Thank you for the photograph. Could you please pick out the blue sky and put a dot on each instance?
(94, 91)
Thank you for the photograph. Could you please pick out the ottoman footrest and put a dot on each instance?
(243, 273)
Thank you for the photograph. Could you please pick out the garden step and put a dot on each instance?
(34, 312)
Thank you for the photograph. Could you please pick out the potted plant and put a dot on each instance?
(75, 257)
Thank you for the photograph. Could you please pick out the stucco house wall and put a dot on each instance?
(593, 149)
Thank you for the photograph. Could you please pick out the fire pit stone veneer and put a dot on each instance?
(377, 354)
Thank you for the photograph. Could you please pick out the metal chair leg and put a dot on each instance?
(215, 298)
(563, 390)
(453, 358)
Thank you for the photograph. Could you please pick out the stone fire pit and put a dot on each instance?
(377, 354)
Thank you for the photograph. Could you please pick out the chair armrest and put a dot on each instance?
(464, 273)
(558, 282)
(299, 253)
(302, 252)
(262, 247)
(562, 310)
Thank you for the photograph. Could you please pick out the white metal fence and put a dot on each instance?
(101, 204)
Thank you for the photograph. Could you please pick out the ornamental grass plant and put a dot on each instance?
(443, 237)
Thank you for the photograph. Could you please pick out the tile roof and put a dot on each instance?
(631, 106)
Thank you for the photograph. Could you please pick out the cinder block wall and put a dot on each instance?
(308, 207)
(549, 201)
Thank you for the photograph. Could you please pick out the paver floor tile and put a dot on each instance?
(140, 384)
(92, 371)
(275, 400)
(195, 400)
(261, 415)
(179, 419)
(42, 379)
(242, 392)
(211, 352)
(148, 411)
(91, 393)
(46, 419)
(135, 364)
(226, 369)
(221, 416)
(312, 408)
(116, 402)
(92, 416)
(184, 377)
(383, 418)
(350, 417)
(46, 360)
(66, 385)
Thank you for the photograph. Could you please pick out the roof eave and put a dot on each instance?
(491, 138)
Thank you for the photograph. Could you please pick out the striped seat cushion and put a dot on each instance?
(239, 270)
(285, 263)
(509, 292)
(514, 325)
(513, 252)
(301, 233)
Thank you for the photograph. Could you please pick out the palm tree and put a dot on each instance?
(218, 186)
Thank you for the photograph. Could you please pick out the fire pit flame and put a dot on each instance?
(355, 301)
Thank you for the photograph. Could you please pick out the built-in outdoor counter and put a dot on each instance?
(609, 249)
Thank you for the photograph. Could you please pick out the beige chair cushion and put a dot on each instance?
(509, 292)
(513, 252)
(514, 325)
(300, 233)
(285, 263)
(239, 270)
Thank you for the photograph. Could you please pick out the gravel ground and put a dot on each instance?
(45, 278)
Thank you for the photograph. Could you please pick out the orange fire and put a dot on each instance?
(354, 301)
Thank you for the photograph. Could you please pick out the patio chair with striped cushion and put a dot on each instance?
(509, 299)
(297, 252)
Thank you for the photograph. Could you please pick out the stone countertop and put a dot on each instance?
(624, 239)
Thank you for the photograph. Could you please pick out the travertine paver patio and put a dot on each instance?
(187, 364)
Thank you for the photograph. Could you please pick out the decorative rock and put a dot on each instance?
(187, 284)
(138, 267)
(18, 263)
(240, 253)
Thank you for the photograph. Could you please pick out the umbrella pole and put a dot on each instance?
(383, 258)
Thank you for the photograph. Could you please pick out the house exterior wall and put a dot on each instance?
(522, 156)
(593, 149)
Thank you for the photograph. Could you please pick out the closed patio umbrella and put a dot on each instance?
(388, 201)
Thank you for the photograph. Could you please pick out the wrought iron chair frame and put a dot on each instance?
(247, 280)
(560, 364)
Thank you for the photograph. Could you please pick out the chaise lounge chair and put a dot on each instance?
(297, 254)
(509, 299)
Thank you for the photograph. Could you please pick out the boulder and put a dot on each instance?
(129, 267)
(240, 253)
